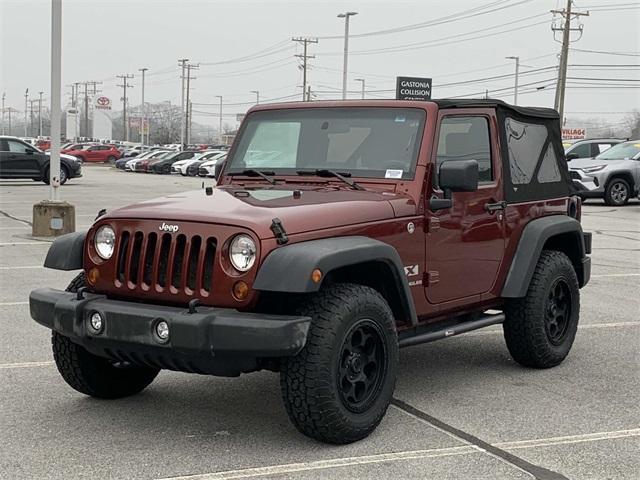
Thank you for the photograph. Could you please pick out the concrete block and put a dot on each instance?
(51, 219)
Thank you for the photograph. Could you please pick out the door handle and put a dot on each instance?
(494, 207)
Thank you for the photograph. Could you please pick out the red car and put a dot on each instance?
(96, 153)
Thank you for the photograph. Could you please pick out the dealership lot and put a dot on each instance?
(579, 420)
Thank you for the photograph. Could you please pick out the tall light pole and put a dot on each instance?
(257, 92)
(346, 16)
(40, 114)
(56, 93)
(4, 95)
(26, 102)
(144, 110)
(361, 80)
(515, 92)
(220, 125)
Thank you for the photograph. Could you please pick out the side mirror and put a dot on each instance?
(571, 156)
(455, 176)
(30, 151)
(218, 169)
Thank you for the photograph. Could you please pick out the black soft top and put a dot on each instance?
(538, 112)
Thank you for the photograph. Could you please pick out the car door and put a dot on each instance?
(94, 153)
(465, 243)
(20, 160)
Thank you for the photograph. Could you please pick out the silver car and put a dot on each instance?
(613, 175)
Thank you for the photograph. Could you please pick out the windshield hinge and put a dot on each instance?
(279, 232)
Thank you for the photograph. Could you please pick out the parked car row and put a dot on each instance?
(187, 163)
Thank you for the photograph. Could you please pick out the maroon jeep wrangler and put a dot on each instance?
(338, 233)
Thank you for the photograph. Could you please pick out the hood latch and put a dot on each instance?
(279, 231)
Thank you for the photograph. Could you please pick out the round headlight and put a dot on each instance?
(105, 241)
(242, 253)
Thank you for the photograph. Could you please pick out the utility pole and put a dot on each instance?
(9, 110)
(31, 119)
(183, 63)
(257, 96)
(144, 110)
(305, 42)
(26, 102)
(4, 95)
(346, 16)
(220, 124)
(124, 86)
(561, 86)
(86, 109)
(515, 92)
(361, 80)
(40, 114)
(187, 121)
(308, 93)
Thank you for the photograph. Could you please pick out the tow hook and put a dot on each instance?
(193, 304)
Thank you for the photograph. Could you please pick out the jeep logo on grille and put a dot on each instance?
(165, 227)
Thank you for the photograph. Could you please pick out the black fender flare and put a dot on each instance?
(66, 252)
(535, 235)
(288, 268)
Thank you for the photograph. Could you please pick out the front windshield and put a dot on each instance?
(621, 151)
(368, 142)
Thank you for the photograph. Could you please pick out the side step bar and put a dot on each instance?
(438, 332)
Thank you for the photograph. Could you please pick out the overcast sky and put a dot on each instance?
(102, 39)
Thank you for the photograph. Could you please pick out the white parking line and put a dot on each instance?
(22, 267)
(7, 366)
(398, 456)
(616, 275)
(10, 304)
(587, 326)
(13, 244)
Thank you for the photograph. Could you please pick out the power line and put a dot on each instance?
(463, 15)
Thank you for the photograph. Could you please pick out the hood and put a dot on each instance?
(312, 209)
(579, 163)
(65, 156)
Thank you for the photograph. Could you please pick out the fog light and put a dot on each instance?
(240, 290)
(95, 322)
(162, 330)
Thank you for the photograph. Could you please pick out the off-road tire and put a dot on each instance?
(63, 178)
(525, 328)
(92, 375)
(614, 192)
(310, 380)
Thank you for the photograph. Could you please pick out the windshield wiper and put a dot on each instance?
(256, 173)
(321, 172)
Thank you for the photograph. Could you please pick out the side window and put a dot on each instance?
(583, 150)
(549, 171)
(525, 142)
(601, 147)
(466, 138)
(18, 147)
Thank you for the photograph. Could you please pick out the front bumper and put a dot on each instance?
(588, 184)
(203, 341)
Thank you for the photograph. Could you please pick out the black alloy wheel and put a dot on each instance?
(363, 364)
(558, 311)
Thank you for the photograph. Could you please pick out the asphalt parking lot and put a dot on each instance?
(463, 408)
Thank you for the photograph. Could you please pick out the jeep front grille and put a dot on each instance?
(165, 261)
